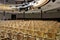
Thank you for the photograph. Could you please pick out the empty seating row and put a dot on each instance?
(43, 29)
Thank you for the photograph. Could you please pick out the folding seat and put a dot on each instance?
(37, 28)
(33, 33)
(51, 35)
(25, 37)
(19, 25)
(53, 30)
(2, 33)
(38, 33)
(9, 33)
(47, 39)
(20, 36)
(39, 38)
(30, 32)
(25, 26)
(25, 31)
(31, 38)
(30, 27)
(22, 30)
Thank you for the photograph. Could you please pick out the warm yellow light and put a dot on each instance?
(5, 7)
(40, 3)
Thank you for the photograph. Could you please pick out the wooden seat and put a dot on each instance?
(20, 36)
(31, 38)
(51, 35)
(40, 34)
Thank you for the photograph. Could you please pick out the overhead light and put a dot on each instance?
(33, 4)
(40, 3)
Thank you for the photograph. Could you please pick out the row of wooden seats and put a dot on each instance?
(19, 36)
(33, 28)
(29, 25)
(24, 25)
(42, 35)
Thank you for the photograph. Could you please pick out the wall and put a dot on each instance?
(7, 16)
